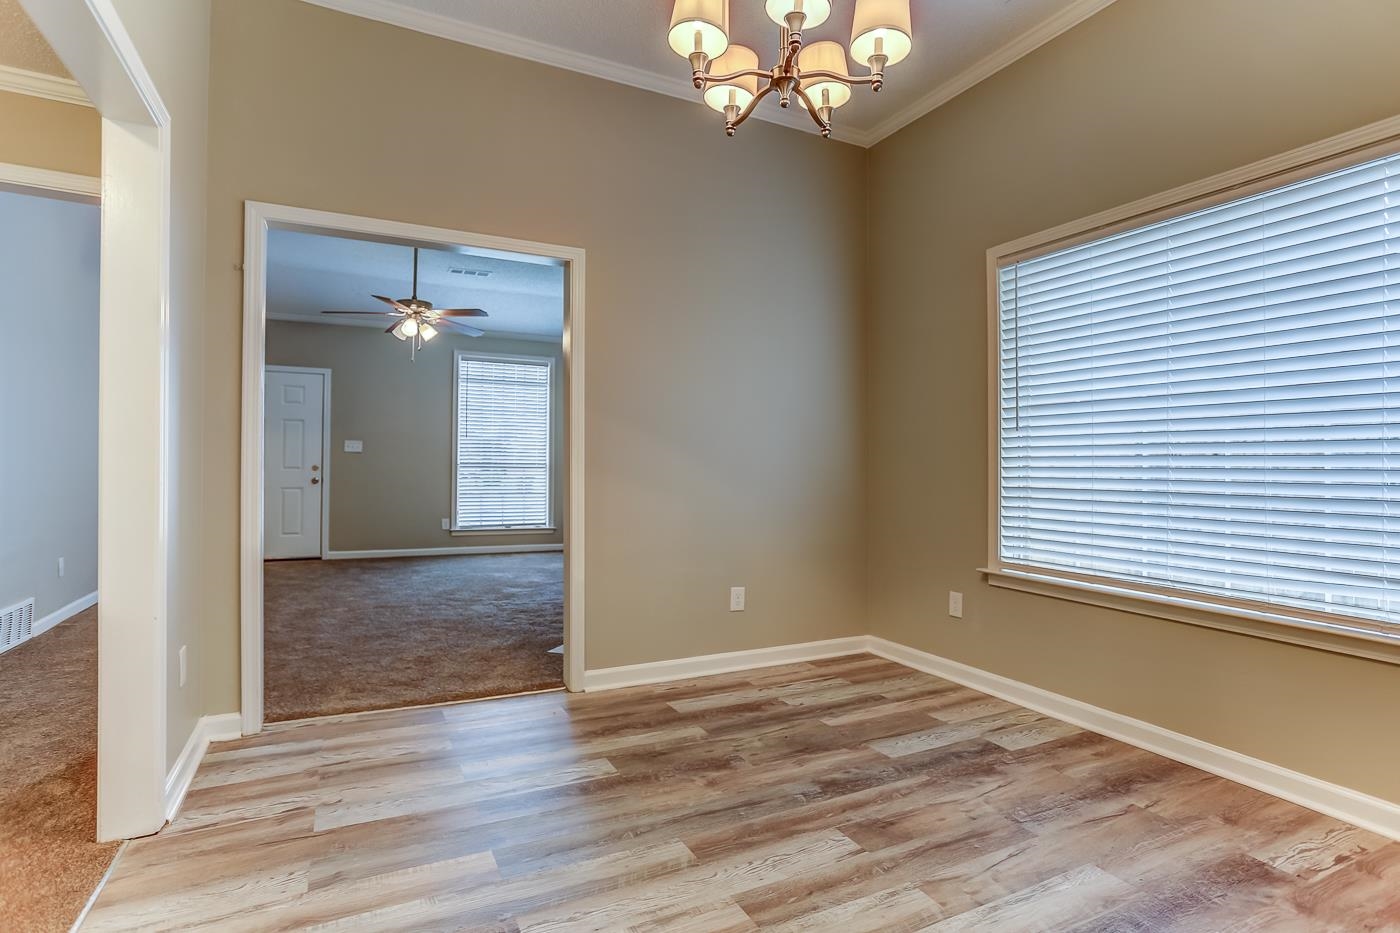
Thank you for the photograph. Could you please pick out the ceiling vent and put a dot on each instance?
(474, 273)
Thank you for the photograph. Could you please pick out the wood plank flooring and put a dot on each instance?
(846, 795)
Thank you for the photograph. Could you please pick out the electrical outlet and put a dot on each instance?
(736, 599)
(446, 525)
(955, 604)
(61, 566)
(184, 667)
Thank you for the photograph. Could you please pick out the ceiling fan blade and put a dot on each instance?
(462, 312)
(376, 313)
(459, 327)
(390, 301)
(391, 328)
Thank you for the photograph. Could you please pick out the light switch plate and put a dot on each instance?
(955, 607)
(354, 447)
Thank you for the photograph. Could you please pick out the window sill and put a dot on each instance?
(1360, 638)
(499, 532)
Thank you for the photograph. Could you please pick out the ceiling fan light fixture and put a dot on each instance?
(409, 327)
(426, 332)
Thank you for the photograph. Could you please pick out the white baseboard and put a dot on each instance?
(1343, 803)
(443, 551)
(219, 728)
(1360, 809)
(63, 614)
(655, 672)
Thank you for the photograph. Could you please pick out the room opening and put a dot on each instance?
(414, 474)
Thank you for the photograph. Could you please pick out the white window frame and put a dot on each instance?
(550, 526)
(1331, 632)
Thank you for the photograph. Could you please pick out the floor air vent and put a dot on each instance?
(16, 624)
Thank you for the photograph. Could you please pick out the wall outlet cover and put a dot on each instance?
(184, 667)
(736, 599)
(955, 604)
(446, 525)
(61, 566)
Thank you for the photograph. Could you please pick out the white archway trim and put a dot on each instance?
(85, 187)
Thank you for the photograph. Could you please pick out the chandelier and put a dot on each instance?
(816, 74)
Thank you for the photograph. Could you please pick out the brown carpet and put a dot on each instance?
(341, 636)
(49, 859)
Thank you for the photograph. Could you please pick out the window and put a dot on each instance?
(502, 468)
(1211, 404)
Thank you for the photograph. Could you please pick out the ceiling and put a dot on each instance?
(956, 44)
(21, 44)
(309, 273)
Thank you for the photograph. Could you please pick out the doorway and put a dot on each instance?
(49, 270)
(423, 532)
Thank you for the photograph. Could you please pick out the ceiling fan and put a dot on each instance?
(418, 321)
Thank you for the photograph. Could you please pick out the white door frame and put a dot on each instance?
(259, 218)
(134, 489)
(325, 448)
(44, 182)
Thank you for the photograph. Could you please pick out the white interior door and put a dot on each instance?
(294, 487)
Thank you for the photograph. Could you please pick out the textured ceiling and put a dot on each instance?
(21, 44)
(950, 37)
(309, 273)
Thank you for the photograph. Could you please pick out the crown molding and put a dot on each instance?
(34, 84)
(1018, 48)
(493, 40)
(446, 27)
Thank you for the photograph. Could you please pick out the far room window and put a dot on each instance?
(502, 468)
(1211, 404)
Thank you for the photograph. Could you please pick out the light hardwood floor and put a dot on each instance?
(846, 795)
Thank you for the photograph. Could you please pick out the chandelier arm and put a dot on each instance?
(744, 114)
(812, 109)
(725, 79)
(848, 80)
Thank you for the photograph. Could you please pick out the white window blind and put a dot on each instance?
(1212, 403)
(502, 460)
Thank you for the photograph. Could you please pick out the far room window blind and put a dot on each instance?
(502, 460)
(1211, 404)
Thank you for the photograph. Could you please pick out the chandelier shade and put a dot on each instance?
(700, 26)
(740, 91)
(828, 57)
(815, 11)
(881, 27)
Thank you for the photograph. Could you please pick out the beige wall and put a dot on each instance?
(724, 288)
(1144, 96)
(48, 134)
(395, 494)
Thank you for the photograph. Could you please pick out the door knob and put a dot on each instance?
(315, 467)
(315, 480)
